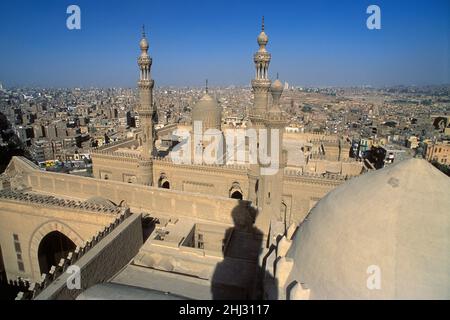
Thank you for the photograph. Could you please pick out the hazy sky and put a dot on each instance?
(324, 43)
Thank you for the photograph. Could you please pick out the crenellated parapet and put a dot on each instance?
(50, 201)
(167, 161)
(278, 269)
(5, 182)
(316, 178)
(110, 152)
(119, 156)
(36, 288)
(112, 145)
(20, 284)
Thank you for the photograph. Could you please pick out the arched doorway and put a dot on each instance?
(163, 182)
(236, 195)
(52, 248)
(166, 185)
(236, 191)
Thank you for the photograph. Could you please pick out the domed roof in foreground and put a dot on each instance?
(397, 219)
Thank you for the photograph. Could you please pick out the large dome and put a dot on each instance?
(208, 112)
(396, 219)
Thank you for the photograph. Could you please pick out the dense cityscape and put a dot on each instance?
(56, 128)
(259, 185)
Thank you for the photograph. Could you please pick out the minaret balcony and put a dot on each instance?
(261, 57)
(146, 84)
(261, 83)
(276, 120)
(144, 60)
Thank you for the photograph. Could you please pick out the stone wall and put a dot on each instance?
(217, 180)
(26, 219)
(102, 261)
(301, 192)
(139, 198)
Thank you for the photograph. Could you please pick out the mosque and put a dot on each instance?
(148, 227)
(301, 179)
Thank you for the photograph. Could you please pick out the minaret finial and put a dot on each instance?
(262, 25)
(206, 86)
(277, 75)
(143, 31)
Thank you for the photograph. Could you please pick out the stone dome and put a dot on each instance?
(208, 112)
(397, 219)
(276, 86)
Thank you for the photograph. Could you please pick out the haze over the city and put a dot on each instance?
(318, 43)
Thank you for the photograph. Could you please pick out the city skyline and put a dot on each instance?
(256, 193)
(322, 44)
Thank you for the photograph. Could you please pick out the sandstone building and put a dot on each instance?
(309, 165)
(149, 227)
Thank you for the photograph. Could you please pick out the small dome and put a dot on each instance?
(276, 86)
(208, 111)
(395, 220)
(206, 103)
(263, 39)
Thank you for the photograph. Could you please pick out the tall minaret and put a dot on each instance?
(261, 83)
(261, 87)
(273, 213)
(145, 111)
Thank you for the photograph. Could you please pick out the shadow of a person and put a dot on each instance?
(240, 276)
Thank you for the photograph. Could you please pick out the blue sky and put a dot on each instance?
(313, 43)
